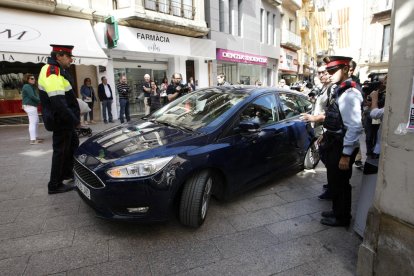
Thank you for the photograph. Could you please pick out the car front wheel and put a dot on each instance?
(195, 199)
(311, 157)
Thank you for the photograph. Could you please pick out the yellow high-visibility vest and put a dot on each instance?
(52, 82)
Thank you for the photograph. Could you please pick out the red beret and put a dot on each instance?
(67, 49)
(332, 61)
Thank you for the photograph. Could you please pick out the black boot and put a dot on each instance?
(328, 214)
(332, 221)
(326, 195)
(60, 188)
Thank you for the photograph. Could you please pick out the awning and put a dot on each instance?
(26, 36)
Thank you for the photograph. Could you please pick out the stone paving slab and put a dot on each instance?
(273, 229)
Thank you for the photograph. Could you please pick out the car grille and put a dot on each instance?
(87, 176)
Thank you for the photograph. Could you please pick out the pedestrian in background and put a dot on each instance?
(155, 101)
(221, 80)
(106, 98)
(282, 84)
(318, 117)
(175, 89)
(191, 84)
(61, 114)
(146, 89)
(88, 96)
(30, 101)
(352, 66)
(163, 91)
(123, 91)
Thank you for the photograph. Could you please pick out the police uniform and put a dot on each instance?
(61, 114)
(341, 138)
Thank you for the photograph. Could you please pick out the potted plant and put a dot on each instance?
(10, 86)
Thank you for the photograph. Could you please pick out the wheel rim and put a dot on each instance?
(311, 156)
(206, 197)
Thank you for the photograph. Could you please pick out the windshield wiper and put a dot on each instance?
(173, 125)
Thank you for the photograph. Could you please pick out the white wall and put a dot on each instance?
(395, 186)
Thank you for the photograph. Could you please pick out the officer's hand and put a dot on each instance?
(344, 163)
(374, 95)
(306, 117)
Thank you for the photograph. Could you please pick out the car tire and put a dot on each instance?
(195, 199)
(311, 157)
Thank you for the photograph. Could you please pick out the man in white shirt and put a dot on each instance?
(106, 98)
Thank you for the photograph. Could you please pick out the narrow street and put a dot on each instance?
(271, 230)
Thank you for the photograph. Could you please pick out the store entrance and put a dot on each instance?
(135, 77)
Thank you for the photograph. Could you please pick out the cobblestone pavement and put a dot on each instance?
(271, 230)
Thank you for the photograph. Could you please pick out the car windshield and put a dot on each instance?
(202, 108)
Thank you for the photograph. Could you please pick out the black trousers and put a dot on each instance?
(65, 142)
(338, 180)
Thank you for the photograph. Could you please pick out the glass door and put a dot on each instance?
(135, 78)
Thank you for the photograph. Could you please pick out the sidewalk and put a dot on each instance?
(271, 230)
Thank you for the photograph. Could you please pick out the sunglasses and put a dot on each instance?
(333, 70)
(31, 78)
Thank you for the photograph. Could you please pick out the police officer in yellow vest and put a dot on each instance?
(61, 114)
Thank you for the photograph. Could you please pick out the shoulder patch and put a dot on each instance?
(52, 70)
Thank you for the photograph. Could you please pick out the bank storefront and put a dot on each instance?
(158, 54)
(24, 47)
(288, 65)
(244, 68)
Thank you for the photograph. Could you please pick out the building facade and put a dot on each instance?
(247, 37)
(155, 37)
(290, 43)
(376, 39)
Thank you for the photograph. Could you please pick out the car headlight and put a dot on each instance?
(140, 168)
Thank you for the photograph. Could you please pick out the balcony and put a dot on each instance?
(378, 59)
(274, 3)
(290, 40)
(304, 25)
(381, 6)
(293, 5)
(41, 5)
(176, 8)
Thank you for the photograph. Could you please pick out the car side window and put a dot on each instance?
(305, 104)
(290, 105)
(262, 110)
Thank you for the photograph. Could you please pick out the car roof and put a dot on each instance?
(251, 89)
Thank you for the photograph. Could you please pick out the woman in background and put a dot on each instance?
(30, 101)
(163, 91)
(155, 97)
(88, 96)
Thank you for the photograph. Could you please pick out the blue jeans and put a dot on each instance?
(124, 104)
(107, 107)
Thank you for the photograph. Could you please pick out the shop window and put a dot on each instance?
(386, 43)
(221, 15)
(240, 18)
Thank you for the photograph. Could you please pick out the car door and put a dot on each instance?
(250, 156)
(292, 106)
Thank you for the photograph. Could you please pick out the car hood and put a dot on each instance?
(132, 138)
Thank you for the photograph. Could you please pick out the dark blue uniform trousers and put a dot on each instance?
(339, 179)
(65, 142)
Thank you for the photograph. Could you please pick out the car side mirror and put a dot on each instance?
(249, 127)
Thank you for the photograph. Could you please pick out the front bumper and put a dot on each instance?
(114, 199)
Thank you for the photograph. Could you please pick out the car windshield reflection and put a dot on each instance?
(199, 109)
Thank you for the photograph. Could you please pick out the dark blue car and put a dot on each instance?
(216, 141)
